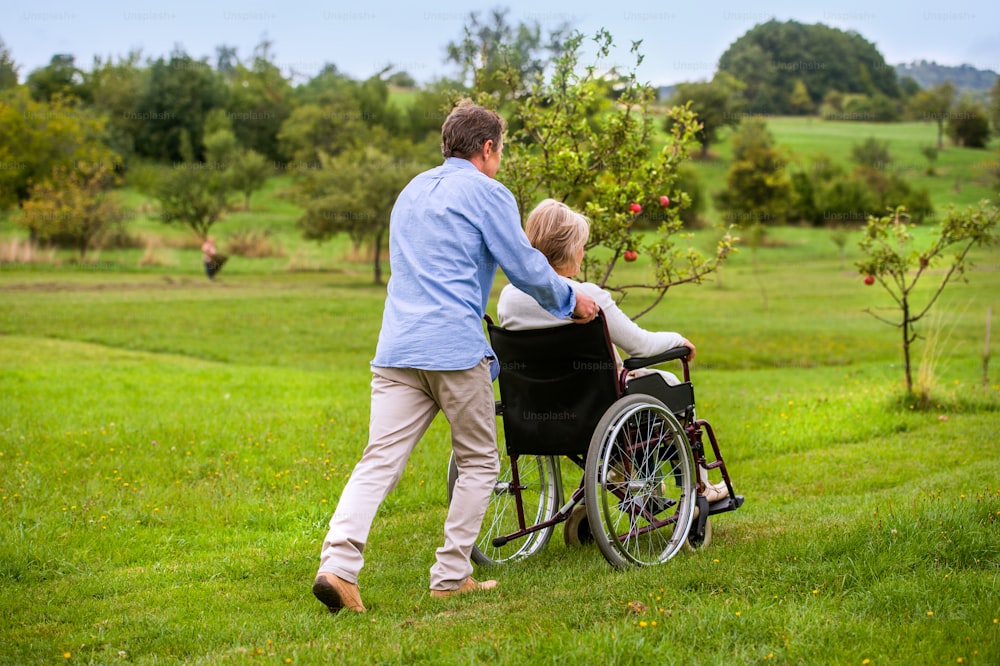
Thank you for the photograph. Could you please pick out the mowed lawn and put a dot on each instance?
(172, 449)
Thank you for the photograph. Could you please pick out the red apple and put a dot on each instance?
(631, 255)
(635, 208)
(869, 280)
(664, 201)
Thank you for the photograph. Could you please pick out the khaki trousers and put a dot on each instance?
(403, 403)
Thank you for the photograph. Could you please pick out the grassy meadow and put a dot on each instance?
(961, 176)
(171, 450)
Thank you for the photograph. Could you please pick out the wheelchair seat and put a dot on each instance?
(679, 398)
(556, 383)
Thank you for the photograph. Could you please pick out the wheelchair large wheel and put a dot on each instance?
(639, 483)
(538, 476)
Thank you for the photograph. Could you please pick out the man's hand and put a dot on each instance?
(586, 309)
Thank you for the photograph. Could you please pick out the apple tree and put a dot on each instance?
(73, 207)
(192, 194)
(586, 135)
(718, 104)
(244, 170)
(891, 260)
(354, 192)
(249, 173)
(38, 138)
(934, 104)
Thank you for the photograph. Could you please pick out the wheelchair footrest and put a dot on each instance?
(725, 504)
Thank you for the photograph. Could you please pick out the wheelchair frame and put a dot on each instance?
(641, 497)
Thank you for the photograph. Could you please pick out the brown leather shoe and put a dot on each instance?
(337, 593)
(469, 585)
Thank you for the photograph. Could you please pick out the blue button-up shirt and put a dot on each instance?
(450, 228)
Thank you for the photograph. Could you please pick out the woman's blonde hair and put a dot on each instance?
(557, 231)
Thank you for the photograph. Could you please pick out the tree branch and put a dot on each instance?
(882, 319)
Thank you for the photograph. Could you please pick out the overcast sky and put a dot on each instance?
(680, 41)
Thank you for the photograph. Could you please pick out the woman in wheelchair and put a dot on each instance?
(560, 233)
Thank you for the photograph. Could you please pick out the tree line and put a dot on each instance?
(193, 134)
(200, 136)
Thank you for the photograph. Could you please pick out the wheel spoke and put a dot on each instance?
(538, 498)
(644, 501)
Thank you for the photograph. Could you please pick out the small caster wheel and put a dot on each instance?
(576, 529)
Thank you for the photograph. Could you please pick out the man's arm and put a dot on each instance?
(525, 267)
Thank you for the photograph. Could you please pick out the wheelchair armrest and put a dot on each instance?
(633, 362)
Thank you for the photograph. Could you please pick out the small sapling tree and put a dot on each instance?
(248, 173)
(354, 192)
(891, 260)
(192, 194)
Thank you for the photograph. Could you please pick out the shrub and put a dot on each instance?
(758, 188)
(25, 252)
(254, 244)
(878, 108)
(153, 255)
(871, 153)
(968, 124)
(804, 207)
(846, 199)
(826, 195)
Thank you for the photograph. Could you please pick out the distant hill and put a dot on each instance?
(929, 74)
(788, 68)
(665, 92)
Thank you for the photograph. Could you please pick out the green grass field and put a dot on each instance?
(171, 450)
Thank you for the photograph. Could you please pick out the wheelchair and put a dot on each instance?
(638, 442)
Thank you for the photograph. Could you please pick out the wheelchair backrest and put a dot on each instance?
(555, 384)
